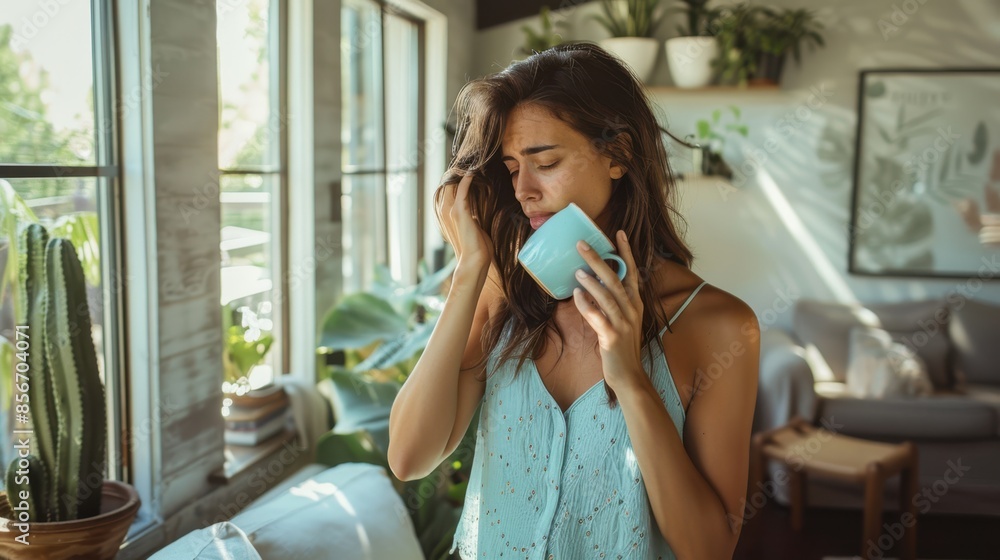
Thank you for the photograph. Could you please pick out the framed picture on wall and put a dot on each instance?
(926, 197)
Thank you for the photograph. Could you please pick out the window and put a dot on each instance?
(58, 153)
(251, 136)
(382, 164)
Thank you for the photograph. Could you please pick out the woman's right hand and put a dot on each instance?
(473, 247)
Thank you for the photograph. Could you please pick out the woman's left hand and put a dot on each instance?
(617, 315)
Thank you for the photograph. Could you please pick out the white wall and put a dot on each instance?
(783, 233)
(461, 16)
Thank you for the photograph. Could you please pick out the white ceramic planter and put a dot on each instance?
(637, 52)
(690, 60)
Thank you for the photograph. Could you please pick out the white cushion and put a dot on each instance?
(879, 367)
(920, 325)
(347, 512)
(222, 541)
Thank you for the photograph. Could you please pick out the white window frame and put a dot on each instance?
(435, 140)
(135, 76)
(432, 144)
(302, 326)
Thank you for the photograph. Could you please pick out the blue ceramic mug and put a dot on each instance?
(550, 255)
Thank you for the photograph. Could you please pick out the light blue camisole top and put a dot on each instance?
(549, 485)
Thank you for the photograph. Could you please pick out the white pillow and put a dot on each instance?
(348, 512)
(879, 367)
(222, 541)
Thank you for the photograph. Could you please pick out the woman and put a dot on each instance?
(588, 445)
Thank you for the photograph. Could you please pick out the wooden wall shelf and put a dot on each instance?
(666, 90)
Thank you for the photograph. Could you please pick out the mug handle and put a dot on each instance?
(622, 269)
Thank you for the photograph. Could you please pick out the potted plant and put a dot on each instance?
(785, 31)
(739, 30)
(79, 227)
(535, 41)
(245, 347)
(754, 40)
(56, 497)
(691, 54)
(711, 137)
(374, 340)
(631, 24)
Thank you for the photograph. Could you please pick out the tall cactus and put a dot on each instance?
(66, 395)
(43, 415)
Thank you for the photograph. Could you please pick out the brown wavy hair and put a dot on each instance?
(589, 89)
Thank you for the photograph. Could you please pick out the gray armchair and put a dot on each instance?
(956, 429)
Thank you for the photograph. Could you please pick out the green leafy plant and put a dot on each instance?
(382, 334)
(788, 30)
(13, 212)
(387, 327)
(739, 30)
(711, 135)
(538, 41)
(371, 341)
(700, 20)
(754, 40)
(246, 345)
(629, 18)
(66, 395)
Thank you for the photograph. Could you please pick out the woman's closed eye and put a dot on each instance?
(549, 166)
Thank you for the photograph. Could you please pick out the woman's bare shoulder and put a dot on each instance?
(674, 283)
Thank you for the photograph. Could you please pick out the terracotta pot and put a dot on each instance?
(93, 538)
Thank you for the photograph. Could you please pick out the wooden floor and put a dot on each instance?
(833, 532)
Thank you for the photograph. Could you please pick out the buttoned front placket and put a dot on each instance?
(557, 459)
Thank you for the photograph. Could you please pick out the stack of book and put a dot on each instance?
(253, 419)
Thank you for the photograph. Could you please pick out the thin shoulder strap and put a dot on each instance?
(687, 301)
